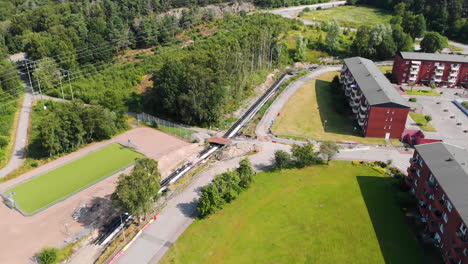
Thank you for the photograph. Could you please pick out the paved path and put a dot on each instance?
(292, 12)
(19, 149)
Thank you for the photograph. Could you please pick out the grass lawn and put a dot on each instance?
(422, 122)
(386, 69)
(321, 214)
(52, 186)
(304, 114)
(310, 54)
(350, 16)
(422, 92)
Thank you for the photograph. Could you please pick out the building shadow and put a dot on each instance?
(398, 243)
(335, 112)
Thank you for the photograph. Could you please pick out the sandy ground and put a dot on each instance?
(21, 237)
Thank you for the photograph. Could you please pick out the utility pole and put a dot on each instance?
(61, 87)
(29, 77)
(69, 83)
(40, 92)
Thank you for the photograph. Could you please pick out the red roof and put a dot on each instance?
(219, 140)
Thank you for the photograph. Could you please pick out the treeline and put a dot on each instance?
(64, 127)
(9, 95)
(225, 188)
(220, 70)
(447, 17)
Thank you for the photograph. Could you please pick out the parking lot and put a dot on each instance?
(447, 118)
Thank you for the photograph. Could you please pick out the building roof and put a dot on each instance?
(219, 140)
(434, 57)
(374, 85)
(449, 165)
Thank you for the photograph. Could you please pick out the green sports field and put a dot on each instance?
(321, 214)
(55, 185)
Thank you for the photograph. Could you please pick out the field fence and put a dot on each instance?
(166, 126)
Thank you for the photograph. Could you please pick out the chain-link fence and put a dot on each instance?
(166, 126)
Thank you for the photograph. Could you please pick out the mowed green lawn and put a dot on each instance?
(52, 186)
(321, 214)
(350, 16)
(304, 115)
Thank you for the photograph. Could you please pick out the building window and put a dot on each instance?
(404, 80)
(437, 237)
(388, 111)
(404, 74)
(445, 217)
(389, 127)
(418, 172)
(386, 119)
(465, 251)
(407, 62)
(449, 206)
(385, 127)
(393, 112)
(463, 228)
(391, 119)
(441, 227)
(431, 178)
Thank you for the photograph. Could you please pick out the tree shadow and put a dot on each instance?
(189, 209)
(335, 113)
(398, 243)
(96, 212)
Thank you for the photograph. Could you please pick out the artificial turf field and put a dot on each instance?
(44, 190)
(321, 214)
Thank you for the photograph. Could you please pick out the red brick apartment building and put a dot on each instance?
(438, 177)
(379, 109)
(431, 68)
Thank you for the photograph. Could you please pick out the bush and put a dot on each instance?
(356, 162)
(379, 169)
(428, 118)
(47, 255)
(412, 99)
(319, 8)
(282, 159)
(3, 141)
(307, 9)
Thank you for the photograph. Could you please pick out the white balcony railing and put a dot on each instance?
(355, 110)
(362, 115)
(440, 66)
(414, 72)
(412, 78)
(416, 63)
(455, 67)
(364, 107)
(439, 73)
(437, 79)
(361, 122)
(453, 74)
(352, 103)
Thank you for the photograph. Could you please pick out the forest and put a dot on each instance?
(447, 17)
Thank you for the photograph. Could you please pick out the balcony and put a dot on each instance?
(452, 80)
(347, 93)
(344, 68)
(453, 74)
(461, 239)
(362, 115)
(431, 184)
(455, 67)
(440, 66)
(348, 88)
(439, 73)
(352, 103)
(364, 107)
(413, 78)
(435, 79)
(355, 109)
(361, 122)
(350, 80)
(414, 71)
(415, 63)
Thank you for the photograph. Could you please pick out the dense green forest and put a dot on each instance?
(448, 17)
(64, 127)
(9, 96)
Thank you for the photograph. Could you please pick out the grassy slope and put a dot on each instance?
(321, 214)
(350, 16)
(422, 122)
(10, 121)
(303, 115)
(58, 183)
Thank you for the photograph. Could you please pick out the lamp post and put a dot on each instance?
(123, 229)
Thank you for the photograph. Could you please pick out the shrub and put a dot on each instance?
(379, 169)
(282, 159)
(319, 8)
(3, 141)
(307, 9)
(428, 118)
(356, 162)
(412, 99)
(47, 255)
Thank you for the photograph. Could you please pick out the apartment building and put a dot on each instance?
(431, 68)
(378, 107)
(438, 177)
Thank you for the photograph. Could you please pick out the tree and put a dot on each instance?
(282, 159)
(136, 192)
(47, 74)
(433, 42)
(47, 255)
(228, 185)
(210, 201)
(332, 38)
(246, 173)
(403, 41)
(329, 149)
(301, 46)
(305, 155)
